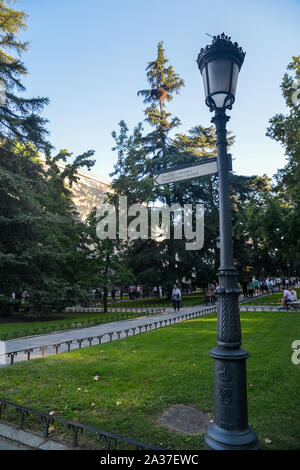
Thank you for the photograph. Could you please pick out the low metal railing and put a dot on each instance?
(98, 338)
(130, 313)
(109, 440)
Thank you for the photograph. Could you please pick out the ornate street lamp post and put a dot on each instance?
(219, 64)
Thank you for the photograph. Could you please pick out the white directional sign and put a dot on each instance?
(186, 172)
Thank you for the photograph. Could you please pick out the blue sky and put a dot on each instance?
(89, 58)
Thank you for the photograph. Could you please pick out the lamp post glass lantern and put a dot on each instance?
(219, 65)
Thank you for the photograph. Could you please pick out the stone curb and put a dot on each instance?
(29, 439)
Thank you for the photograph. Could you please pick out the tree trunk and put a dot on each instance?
(105, 286)
(105, 300)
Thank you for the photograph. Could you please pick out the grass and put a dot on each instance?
(140, 377)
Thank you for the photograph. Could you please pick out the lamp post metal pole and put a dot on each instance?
(220, 119)
(229, 429)
(219, 64)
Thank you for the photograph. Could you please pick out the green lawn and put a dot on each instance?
(140, 377)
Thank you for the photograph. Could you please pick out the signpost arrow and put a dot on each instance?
(186, 172)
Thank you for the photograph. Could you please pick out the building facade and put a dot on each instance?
(89, 192)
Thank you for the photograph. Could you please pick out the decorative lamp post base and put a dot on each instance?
(219, 439)
(230, 430)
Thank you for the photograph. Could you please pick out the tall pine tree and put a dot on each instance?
(19, 116)
(140, 155)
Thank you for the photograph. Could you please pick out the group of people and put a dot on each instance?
(134, 292)
(19, 298)
(210, 297)
(266, 285)
(252, 287)
(138, 291)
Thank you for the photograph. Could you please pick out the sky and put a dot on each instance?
(89, 58)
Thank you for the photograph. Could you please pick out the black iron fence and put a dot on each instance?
(130, 313)
(66, 345)
(108, 441)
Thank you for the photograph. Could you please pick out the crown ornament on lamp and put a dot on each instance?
(219, 64)
(224, 374)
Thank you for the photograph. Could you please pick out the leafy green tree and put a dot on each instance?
(285, 129)
(249, 195)
(107, 266)
(40, 231)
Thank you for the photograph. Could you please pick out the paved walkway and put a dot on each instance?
(8, 445)
(32, 347)
(12, 438)
(67, 340)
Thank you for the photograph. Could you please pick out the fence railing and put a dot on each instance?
(129, 313)
(116, 309)
(110, 441)
(111, 334)
(126, 313)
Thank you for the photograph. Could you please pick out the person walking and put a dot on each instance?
(176, 297)
(245, 289)
(256, 286)
(250, 289)
(131, 290)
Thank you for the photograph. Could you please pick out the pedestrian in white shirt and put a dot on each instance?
(176, 297)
